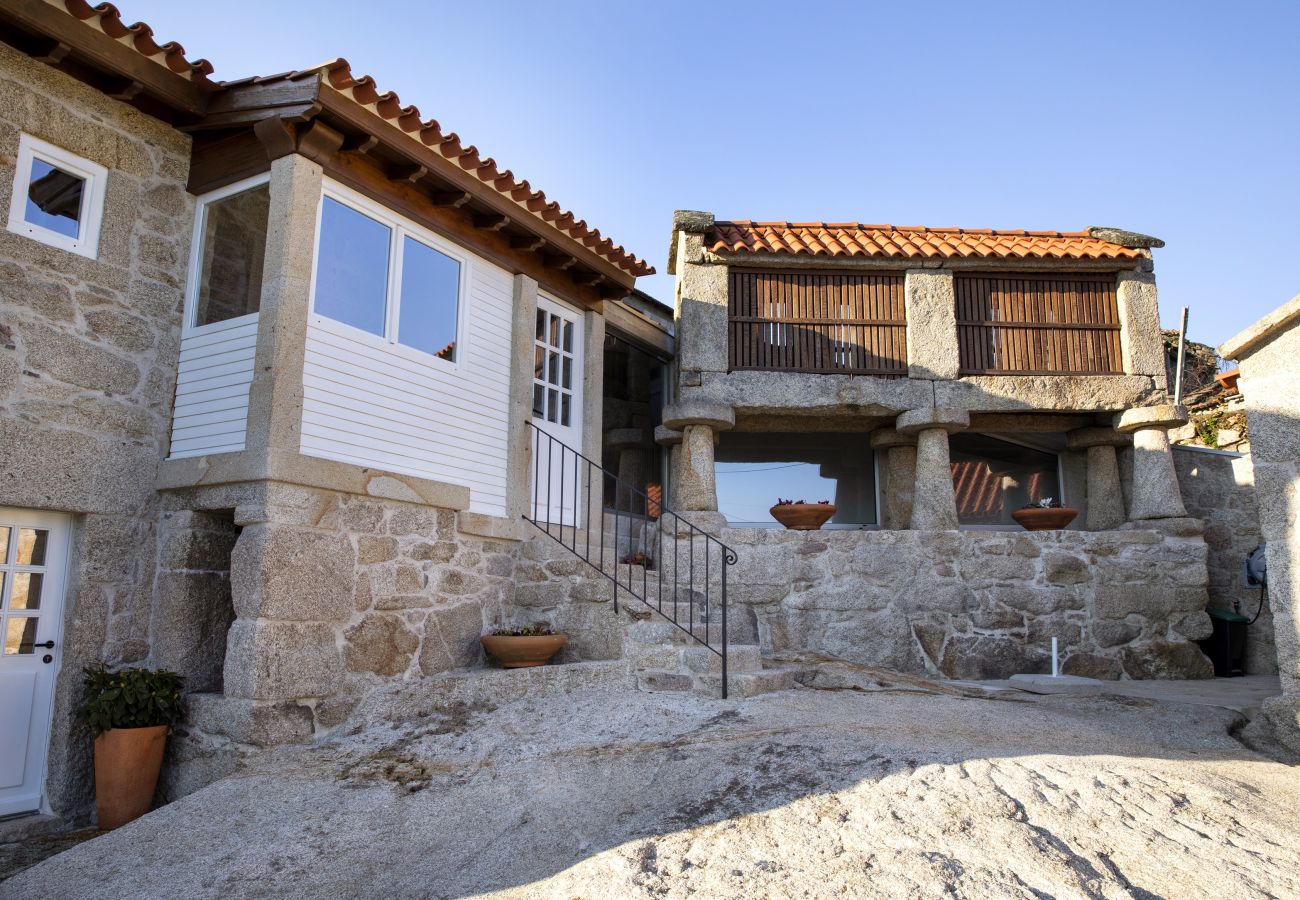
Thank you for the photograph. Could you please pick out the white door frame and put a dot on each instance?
(27, 681)
(558, 393)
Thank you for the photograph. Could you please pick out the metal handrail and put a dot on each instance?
(583, 470)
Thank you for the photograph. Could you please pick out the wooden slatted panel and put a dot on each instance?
(1019, 324)
(820, 322)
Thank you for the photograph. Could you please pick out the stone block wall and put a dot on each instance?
(982, 604)
(333, 595)
(1219, 488)
(88, 351)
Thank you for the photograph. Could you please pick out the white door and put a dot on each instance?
(559, 475)
(33, 554)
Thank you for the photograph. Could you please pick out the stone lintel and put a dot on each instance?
(667, 437)
(308, 471)
(884, 438)
(1246, 342)
(699, 412)
(1083, 438)
(1164, 416)
(914, 421)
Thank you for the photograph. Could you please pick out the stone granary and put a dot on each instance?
(300, 394)
(930, 382)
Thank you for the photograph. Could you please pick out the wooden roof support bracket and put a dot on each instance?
(453, 199)
(411, 173)
(359, 143)
(319, 142)
(491, 222)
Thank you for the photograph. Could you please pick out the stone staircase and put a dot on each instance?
(660, 655)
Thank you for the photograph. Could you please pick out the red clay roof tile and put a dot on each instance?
(362, 90)
(849, 239)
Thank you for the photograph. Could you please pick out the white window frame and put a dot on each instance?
(191, 312)
(399, 227)
(92, 197)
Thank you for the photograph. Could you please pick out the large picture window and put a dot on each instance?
(754, 469)
(994, 477)
(380, 274)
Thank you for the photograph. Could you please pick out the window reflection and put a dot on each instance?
(234, 247)
(20, 634)
(31, 546)
(352, 268)
(54, 199)
(430, 288)
(27, 590)
(754, 469)
(993, 477)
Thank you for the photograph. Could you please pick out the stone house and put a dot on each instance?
(299, 394)
(273, 353)
(930, 381)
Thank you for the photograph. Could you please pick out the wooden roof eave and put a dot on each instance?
(49, 34)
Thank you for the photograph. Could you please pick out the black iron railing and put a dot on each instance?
(660, 559)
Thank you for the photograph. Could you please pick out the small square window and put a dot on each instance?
(231, 248)
(58, 198)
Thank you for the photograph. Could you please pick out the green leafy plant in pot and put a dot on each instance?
(130, 712)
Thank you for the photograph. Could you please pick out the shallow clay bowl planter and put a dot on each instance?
(1040, 519)
(521, 652)
(803, 516)
(127, 762)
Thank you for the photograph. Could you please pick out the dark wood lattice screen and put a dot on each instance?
(820, 322)
(1031, 324)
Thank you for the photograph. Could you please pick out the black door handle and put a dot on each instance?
(48, 645)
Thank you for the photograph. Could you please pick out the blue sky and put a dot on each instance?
(1175, 119)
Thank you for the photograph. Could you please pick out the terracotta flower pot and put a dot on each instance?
(513, 652)
(1037, 519)
(803, 516)
(127, 762)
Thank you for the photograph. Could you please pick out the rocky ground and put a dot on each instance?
(904, 788)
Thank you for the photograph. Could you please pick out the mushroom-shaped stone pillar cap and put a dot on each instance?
(914, 421)
(884, 438)
(1083, 438)
(1165, 416)
(667, 437)
(699, 412)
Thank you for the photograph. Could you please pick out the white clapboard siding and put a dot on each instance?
(369, 404)
(216, 368)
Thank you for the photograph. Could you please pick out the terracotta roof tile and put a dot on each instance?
(849, 239)
(107, 19)
(338, 75)
(362, 90)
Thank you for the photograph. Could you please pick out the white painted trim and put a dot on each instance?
(1213, 451)
(92, 197)
(399, 227)
(188, 328)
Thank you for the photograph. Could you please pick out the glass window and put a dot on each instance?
(27, 590)
(54, 199)
(430, 295)
(57, 198)
(993, 477)
(4, 544)
(553, 369)
(233, 251)
(754, 470)
(352, 268)
(20, 634)
(31, 546)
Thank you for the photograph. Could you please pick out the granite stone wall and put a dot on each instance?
(88, 351)
(333, 595)
(982, 604)
(1219, 488)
